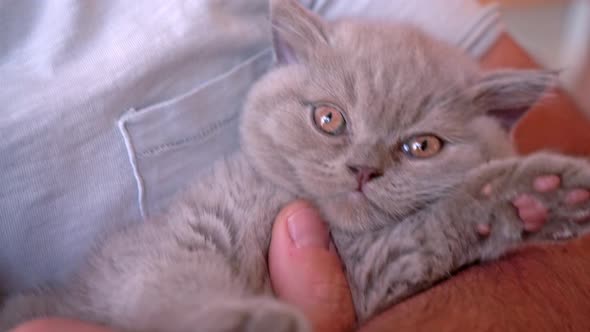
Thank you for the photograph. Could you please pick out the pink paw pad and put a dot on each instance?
(484, 229)
(487, 190)
(546, 183)
(577, 196)
(532, 212)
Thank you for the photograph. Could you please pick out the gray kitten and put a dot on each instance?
(390, 133)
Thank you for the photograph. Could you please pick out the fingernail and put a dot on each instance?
(546, 183)
(307, 230)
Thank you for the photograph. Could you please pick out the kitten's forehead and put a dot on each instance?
(388, 74)
(396, 44)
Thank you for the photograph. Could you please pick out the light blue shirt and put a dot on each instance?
(108, 108)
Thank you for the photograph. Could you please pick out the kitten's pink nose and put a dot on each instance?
(364, 174)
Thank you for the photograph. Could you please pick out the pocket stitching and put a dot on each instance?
(199, 136)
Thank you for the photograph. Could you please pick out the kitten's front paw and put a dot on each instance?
(252, 315)
(535, 214)
(543, 196)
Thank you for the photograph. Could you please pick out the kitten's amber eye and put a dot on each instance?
(329, 120)
(423, 146)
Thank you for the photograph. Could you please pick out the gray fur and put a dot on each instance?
(202, 266)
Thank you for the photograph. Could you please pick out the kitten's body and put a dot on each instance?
(202, 266)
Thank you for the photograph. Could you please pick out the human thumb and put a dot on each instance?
(306, 271)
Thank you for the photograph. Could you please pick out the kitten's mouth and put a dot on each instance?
(360, 192)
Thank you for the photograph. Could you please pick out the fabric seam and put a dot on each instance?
(133, 161)
(199, 136)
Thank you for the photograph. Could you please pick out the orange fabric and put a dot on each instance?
(555, 125)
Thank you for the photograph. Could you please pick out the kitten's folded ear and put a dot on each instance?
(296, 32)
(508, 94)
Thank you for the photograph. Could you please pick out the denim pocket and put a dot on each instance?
(169, 143)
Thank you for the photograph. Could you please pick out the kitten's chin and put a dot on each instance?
(352, 212)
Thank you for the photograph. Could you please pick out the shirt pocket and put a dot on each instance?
(171, 142)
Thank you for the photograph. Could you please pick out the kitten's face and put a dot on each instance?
(371, 121)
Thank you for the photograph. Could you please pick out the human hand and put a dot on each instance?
(306, 271)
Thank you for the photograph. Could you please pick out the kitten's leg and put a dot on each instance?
(249, 314)
(567, 205)
(390, 264)
(175, 281)
(205, 294)
(220, 315)
(212, 296)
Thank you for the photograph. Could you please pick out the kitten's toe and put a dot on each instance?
(483, 230)
(531, 211)
(275, 316)
(253, 315)
(546, 183)
(574, 207)
(566, 222)
(577, 196)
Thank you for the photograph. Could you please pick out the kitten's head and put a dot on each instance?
(373, 121)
